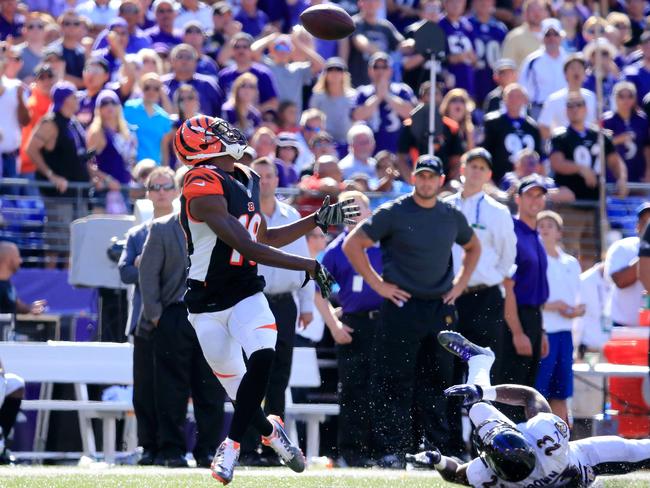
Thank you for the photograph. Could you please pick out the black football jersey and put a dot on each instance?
(505, 137)
(582, 149)
(219, 276)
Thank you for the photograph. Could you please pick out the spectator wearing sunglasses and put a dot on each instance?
(115, 145)
(290, 75)
(184, 60)
(38, 104)
(99, 12)
(164, 31)
(149, 120)
(11, 22)
(242, 55)
(334, 96)
(240, 109)
(31, 50)
(69, 47)
(186, 103)
(130, 11)
(194, 35)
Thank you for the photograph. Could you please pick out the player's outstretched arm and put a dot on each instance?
(213, 210)
(518, 395)
(449, 469)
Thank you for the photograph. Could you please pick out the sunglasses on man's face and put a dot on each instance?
(185, 57)
(627, 95)
(130, 9)
(71, 23)
(241, 46)
(151, 88)
(35, 26)
(194, 31)
(165, 11)
(380, 66)
(159, 187)
(109, 102)
(187, 99)
(575, 104)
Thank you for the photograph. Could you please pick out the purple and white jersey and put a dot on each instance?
(487, 45)
(460, 39)
(385, 122)
(631, 151)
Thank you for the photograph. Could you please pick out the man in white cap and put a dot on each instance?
(542, 72)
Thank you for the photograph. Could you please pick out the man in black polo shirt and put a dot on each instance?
(416, 233)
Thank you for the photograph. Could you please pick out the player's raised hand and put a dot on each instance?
(471, 393)
(425, 459)
(336, 214)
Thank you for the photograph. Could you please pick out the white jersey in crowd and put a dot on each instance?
(624, 304)
(563, 274)
(542, 74)
(493, 225)
(593, 328)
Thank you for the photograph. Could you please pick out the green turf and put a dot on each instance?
(25, 478)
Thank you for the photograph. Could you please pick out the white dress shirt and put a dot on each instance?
(553, 114)
(624, 303)
(542, 74)
(594, 327)
(563, 274)
(279, 280)
(492, 223)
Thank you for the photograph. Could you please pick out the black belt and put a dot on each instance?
(277, 297)
(368, 314)
(477, 288)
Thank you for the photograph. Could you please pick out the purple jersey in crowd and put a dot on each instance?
(487, 45)
(640, 76)
(253, 118)
(265, 82)
(632, 152)
(210, 95)
(460, 39)
(385, 122)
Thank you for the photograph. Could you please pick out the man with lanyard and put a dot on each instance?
(480, 307)
(416, 233)
(354, 335)
(289, 302)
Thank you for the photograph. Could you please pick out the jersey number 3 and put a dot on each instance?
(252, 225)
(554, 446)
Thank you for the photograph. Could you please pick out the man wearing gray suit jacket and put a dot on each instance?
(180, 370)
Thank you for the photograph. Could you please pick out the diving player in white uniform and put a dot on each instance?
(533, 454)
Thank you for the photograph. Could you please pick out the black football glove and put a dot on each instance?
(336, 214)
(471, 393)
(323, 279)
(425, 459)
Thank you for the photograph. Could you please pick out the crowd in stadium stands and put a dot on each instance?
(92, 91)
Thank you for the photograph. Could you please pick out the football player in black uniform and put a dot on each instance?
(226, 236)
(508, 132)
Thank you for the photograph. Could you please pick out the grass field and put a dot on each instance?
(128, 477)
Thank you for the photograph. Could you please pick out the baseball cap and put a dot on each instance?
(479, 153)
(98, 61)
(43, 68)
(642, 208)
(336, 62)
(117, 22)
(504, 64)
(552, 24)
(429, 163)
(221, 8)
(53, 50)
(287, 139)
(380, 56)
(530, 182)
(105, 95)
(60, 93)
(192, 24)
(282, 43)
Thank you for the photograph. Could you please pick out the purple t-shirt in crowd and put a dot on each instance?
(156, 35)
(210, 95)
(138, 40)
(460, 39)
(385, 122)
(252, 25)
(353, 298)
(633, 151)
(254, 118)
(13, 28)
(531, 284)
(112, 159)
(487, 45)
(86, 111)
(265, 80)
(640, 76)
(205, 65)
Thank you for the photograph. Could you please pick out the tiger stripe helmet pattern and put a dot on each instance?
(203, 137)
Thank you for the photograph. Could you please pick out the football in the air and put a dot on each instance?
(327, 21)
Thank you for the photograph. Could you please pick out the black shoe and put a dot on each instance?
(148, 458)
(391, 461)
(175, 462)
(6, 457)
